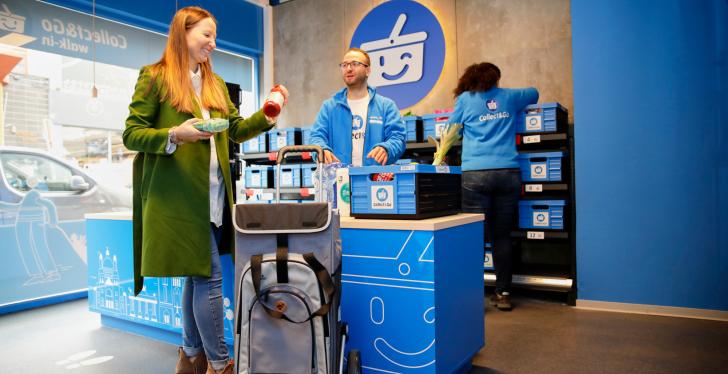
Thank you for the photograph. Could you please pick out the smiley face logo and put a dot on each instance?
(382, 194)
(406, 45)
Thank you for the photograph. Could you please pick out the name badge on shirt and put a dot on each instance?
(376, 120)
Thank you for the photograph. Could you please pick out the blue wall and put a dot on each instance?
(240, 23)
(650, 114)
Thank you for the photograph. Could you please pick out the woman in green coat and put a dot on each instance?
(182, 183)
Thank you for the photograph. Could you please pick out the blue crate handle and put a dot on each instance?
(300, 149)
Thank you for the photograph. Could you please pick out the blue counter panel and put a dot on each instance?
(111, 285)
(395, 283)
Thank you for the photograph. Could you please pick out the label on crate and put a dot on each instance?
(541, 219)
(281, 141)
(538, 171)
(253, 143)
(534, 234)
(382, 197)
(530, 139)
(407, 167)
(534, 188)
(439, 129)
(255, 180)
(488, 263)
(287, 179)
(533, 123)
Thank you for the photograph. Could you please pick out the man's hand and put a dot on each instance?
(329, 157)
(187, 133)
(379, 154)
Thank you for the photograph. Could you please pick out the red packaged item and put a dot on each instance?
(274, 102)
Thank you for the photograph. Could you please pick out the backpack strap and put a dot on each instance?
(322, 275)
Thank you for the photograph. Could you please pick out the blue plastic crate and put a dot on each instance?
(541, 214)
(541, 166)
(413, 125)
(257, 176)
(306, 135)
(416, 191)
(256, 145)
(307, 172)
(290, 176)
(488, 261)
(545, 117)
(278, 138)
(434, 124)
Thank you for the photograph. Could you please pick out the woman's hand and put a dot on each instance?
(284, 92)
(187, 133)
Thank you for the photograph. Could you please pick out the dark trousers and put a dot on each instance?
(495, 193)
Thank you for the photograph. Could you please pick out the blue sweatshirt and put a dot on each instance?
(332, 129)
(489, 126)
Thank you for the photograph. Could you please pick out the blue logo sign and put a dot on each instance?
(533, 121)
(540, 217)
(538, 169)
(407, 49)
(382, 194)
(357, 122)
(492, 105)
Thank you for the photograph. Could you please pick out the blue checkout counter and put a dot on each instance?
(397, 276)
(412, 292)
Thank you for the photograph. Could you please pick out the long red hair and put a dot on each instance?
(174, 67)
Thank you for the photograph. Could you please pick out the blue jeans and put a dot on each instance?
(495, 193)
(202, 311)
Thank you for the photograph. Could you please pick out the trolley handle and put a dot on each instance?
(298, 149)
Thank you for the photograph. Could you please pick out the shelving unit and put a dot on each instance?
(546, 259)
(543, 259)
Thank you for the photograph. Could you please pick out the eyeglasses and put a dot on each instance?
(353, 64)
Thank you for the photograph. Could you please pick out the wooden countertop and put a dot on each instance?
(429, 224)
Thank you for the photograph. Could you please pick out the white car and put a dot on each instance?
(73, 192)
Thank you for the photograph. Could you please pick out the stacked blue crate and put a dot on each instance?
(307, 172)
(278, 138)
(257, 176)
(434, 124)
(259, 144)
(290, 176)
(541, 214)
(488, 259)
(413, 126)
(541, 166)
(544, 117)
(306, 135)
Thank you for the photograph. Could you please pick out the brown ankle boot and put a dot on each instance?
(191, 365)
(227, 370)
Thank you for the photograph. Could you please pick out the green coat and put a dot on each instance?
(171, 191)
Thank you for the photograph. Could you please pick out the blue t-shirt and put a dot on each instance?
(489, 126)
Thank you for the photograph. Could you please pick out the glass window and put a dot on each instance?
(24, 172)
